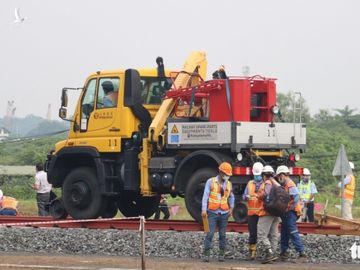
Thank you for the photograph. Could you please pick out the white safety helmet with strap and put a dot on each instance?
(268, 169)
(257, 168)
(282, 169)
(306, 171)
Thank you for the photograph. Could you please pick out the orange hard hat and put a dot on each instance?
(226, 168)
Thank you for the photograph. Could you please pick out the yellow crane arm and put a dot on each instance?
(196, 62)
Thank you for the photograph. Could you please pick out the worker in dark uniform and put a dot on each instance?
(163, 207)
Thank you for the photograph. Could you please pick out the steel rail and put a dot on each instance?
(155, 225)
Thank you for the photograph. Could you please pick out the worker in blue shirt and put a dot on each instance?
(289, 230)
(307, 191)
(217, 205)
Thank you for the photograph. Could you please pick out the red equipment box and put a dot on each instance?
(251, 99)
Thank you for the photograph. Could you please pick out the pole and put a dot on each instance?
(142, 234)
(342, 181)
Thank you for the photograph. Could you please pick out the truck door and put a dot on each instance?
(99, 123)
(98, 106)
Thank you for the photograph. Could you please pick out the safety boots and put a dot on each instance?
(221, 256)
(302, 257)
(284, 255)
(206, 255)
(269, 256)
(252, 252)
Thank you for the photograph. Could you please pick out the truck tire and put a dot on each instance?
(57, 210)
(138, 206)
(240, 212)
(110, 210)
(195, 189)
(81, 194)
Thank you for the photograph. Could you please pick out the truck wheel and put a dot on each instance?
(139, 206)
(195, 189)
(110, 210)
(57, 210)
(81, 194)
(240, 213)
(128, 207)
(149, 205)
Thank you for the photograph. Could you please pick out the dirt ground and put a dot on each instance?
(22, 261)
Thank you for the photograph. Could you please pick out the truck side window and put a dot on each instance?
(87, 103)
(108, 93)
(153, 89)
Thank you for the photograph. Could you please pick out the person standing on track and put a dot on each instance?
(217, 205)
(289, 230)
(307, 190)
(43, 189)
(349, 193)
(267, 227)
(251, 195)
(163, 207)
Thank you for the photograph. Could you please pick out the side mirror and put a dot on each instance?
(64, 98)
(132, 88)
(62, 113)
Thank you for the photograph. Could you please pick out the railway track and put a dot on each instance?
(158, 225)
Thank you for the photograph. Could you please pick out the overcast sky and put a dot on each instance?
(310, 46)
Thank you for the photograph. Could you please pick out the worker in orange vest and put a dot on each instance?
(251, 195)
(217, 205)
(349, 192)
(8, 205)
(289, 230)
(267, 227)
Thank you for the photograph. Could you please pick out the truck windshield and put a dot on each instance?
(153, 89)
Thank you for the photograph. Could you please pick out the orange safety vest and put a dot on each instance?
(254, 204)
(349, 189)
(262, 196)
(9, 203)
(289, 184)
(214, 202)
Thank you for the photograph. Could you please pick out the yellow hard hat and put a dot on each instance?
(226, 168)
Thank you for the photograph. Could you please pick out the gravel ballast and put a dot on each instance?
(171, 244)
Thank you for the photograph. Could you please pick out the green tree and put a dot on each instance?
(346, 112)
(287, 102)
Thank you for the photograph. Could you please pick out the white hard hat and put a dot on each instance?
(282, 169)
(351, 165)
(306, 171)
(257, 168)
(268, 169)
(1, 194)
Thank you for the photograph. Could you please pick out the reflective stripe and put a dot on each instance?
(305, 190)
(289, 184)
(214, 203)
(349, 189)
(254, 204)
(262, 211)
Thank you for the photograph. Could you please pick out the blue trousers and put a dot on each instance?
(289, 231)
(219, 220)
(7, 212)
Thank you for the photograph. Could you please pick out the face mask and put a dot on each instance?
(306, 178)
(257, 178)
(226, 177)
(282, 179)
